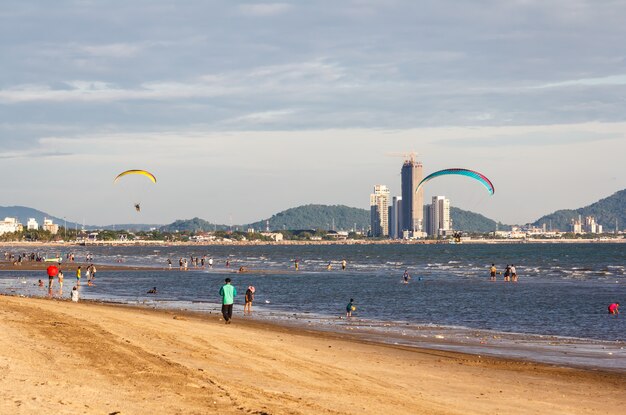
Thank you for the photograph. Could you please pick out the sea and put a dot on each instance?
(556, 313)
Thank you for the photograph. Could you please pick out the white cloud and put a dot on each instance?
(264, 9)
(111, 50)
(598, 81)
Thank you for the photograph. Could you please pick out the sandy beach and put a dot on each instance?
(67, 358)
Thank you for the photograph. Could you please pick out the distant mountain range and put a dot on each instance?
(328, 217)
(606, 212)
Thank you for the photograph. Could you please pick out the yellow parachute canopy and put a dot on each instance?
(142, 172)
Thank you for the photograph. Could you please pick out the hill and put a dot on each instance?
(467, 221)
(324, 216)
(192, 225)
(317, 217)
(606, 211)
(23, 213)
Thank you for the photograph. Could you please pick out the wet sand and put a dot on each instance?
(66, 266)
(66, 358)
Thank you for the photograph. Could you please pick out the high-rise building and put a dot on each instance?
(395, 218)
(379, 210)
(412, 201)
(439, 216)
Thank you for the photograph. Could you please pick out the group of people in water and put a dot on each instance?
(510, 273)
(196, 262)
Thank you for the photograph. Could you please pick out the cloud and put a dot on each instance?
(111, 50)
(536, 137)
(264, 9)
(599, 81)
(263, 117)
(32, 154)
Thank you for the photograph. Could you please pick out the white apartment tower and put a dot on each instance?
(439, 216)
(379, 210)
(32, 224)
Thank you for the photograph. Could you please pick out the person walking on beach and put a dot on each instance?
(228, 293)
(350, 308)
(247, 308)
(513, 273)
(343, 265)
(211, 262)
(614, 309)
(492, 272)
(507, 273)
(169, 263)
(78, 271)
(296, 264)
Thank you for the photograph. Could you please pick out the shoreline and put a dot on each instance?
(181, 362)
(321, 243)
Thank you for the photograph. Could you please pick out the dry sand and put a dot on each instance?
(66, 358)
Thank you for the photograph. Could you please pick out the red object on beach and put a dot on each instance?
(53, 271)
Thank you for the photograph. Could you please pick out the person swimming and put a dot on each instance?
(152, 291)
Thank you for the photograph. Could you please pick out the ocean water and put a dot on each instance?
(557, 312)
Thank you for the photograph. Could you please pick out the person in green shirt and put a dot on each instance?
(228, 293)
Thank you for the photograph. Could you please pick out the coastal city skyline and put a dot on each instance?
(239, 121)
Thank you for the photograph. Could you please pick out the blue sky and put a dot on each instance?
(242, 109)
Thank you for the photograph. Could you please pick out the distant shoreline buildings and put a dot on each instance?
(12, 225)
(406, 216)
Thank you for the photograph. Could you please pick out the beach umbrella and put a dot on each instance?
(53, 271)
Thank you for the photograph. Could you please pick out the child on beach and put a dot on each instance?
(350, 308)
(74, 294)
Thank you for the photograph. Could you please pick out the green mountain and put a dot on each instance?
(316, 217)
(467, 221)
(324, 216)
(192, 225)
(606, 211)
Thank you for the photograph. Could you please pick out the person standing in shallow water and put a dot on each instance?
(247, 308)
(228, 293)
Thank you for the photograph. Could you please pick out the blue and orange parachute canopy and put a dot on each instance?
(141, 172)
(463, 172)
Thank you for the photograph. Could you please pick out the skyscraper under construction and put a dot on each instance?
(412, 202)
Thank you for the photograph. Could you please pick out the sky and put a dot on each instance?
(242, 109)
